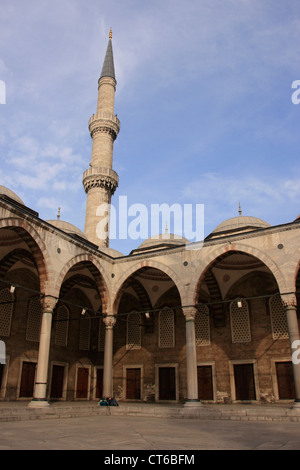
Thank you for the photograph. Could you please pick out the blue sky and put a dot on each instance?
(203, 95)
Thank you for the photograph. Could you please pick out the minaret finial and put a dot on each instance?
(110, 33)
(58, 213)
(240, 210)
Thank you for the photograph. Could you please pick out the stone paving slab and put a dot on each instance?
(118, 435)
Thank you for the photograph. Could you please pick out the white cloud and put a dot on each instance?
(276, 199)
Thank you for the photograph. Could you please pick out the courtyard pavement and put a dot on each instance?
(123, 431)
(126, 433)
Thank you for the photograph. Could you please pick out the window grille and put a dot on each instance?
(84, 334)
(133, 340)
(278, 318)
(166, 328)
(62, 326)
(101, 335)
(6, 311)
(202, 328)
(240, 321)
(34, 319)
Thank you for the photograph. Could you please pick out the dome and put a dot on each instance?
(239, 223)
(8, 192)
(67, 227)
(163, 239)
(110, 251)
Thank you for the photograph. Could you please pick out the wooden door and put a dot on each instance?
(57, 383)
(27, 379)
(167, 383)
(82, 382)
(205, 386)
(285, 380)
(133, 384)
(99, 383)
(244, 382)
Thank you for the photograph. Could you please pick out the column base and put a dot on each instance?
(38, 403)
(192, 403)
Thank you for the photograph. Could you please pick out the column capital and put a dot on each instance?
(109, 321)
(289, 300)
(189, 313)
(48, 303)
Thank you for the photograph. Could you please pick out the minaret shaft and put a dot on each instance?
(100, 180)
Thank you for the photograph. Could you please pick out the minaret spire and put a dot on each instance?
(108, 69)
(100, 180)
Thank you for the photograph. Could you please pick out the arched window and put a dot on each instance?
(166, 334)
(6, 311)
(62, 326)
(34, 318)
(202, 328)
(278, 318)
(133, 340)
(240, 321)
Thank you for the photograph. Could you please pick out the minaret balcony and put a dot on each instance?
(100, 177)
(104, 122)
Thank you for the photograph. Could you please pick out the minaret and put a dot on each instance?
(100, 180)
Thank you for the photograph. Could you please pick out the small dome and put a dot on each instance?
(240, 222)
(67, 227)
(164, 238)
(110, 251)
(8, 192)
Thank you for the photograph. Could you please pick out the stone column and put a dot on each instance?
(191, 359)
(290, 304)
(109, 321)
(40, 388)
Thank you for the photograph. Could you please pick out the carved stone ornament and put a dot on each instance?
(100, 181)
(109, 321)
(48, 303)
(189, 313)
(289, 300)
(109, 126)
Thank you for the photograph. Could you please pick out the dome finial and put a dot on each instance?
(110, 33)
(58, 213)
(240, 210)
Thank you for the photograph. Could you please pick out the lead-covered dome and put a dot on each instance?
(9, 193)
(163, 240)
(241, 223)
(67, 227)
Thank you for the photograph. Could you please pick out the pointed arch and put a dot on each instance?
(217, 253)
(97, 272)
(118, 288)
(35, 244)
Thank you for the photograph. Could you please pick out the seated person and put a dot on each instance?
(112, 401)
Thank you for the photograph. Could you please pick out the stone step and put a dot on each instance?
(22, 412)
